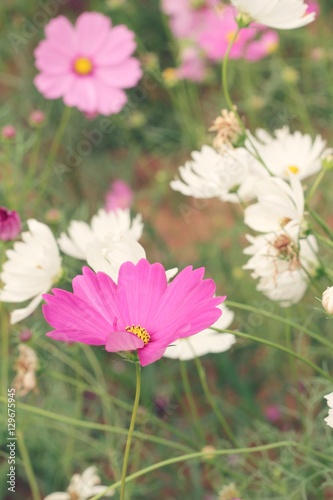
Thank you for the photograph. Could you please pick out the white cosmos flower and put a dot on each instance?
(329, 419)
(82, 487)
(103, 223)
(278, 204)
(109, 254)
(205, 342)
(33, 266)
(286, 154)
(229, 175)
(283, 263)
(279, 14)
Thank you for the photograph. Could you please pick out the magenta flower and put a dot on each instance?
(88, 65)
(120, 195)
(10, 224)
(142, 312)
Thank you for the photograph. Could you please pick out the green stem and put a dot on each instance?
(283, 320)
(5, 338)
(316, 183)
(225, 71)
(197, 455)
(54, 150)
(190, 400)
(28, 467)
(212, 402)
(322, 224)
(92, 425)
(131, 429)
(280, 348)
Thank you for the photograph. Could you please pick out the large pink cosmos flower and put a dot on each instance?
(88, 65)
(142, 312)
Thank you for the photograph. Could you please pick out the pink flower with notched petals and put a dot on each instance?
(141, 313)
(10, 224)
(88, 64)
(187, 16)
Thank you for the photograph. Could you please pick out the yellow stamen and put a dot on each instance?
(140, 332)
(83, 66)
(293, 169)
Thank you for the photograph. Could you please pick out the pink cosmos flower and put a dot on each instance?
(142, 312)
(186, 16)
(252, 43)
(120, 195)
(10, 224)
(313, 6)
(88, 65)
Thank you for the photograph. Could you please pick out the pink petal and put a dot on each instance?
(123, 341)
(69, 313)
(76, 336)
(101, 293)
(50, 60)
(119, 46)
(147, 356)
(92, 30)
(82, 94)
(52, 86)
(109, 100)
(60, 33)
(140, 289)
(124, 75)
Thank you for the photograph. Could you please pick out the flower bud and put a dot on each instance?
(327, 300)
(10, 224)
(8, 132)
(37, 118)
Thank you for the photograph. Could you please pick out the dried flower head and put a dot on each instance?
(25, 366)
(229, 492)
(227, 128)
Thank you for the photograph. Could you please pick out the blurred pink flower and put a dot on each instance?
(142, 312)
(36, 118)
(313, 6)
(272, 413)
(192, 65)
(252, 43)
(8, 132)
(88, 65)
(186, 15)
(120, 195)
(10, 224)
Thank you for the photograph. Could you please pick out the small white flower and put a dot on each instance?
(102, 224)
(279, 14)
(33, 266)
(82, 487)
(108, 255)
(329, 419)
(229, 175)
(286, 154)
(278, 204)
(283, 263)
(327, 300)
(205, 342)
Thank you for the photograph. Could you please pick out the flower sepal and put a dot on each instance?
(243, 20)
(130, 356)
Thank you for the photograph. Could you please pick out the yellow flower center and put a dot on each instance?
(139, 332)
(293, 169)
(230, 35)
(83, 66)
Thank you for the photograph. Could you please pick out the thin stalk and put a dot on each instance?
(280, 348)
(190, 400)
(54, 150)
(315, 185)
(283, 320)
(28, 467)
(130, 430)
(212, 402)
(322, 224)
(193, 456)
(95, 426)
(225, 71)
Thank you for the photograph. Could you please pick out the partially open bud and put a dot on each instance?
(10, 224)
(327, 300)
(37, 118)
(8, 132)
